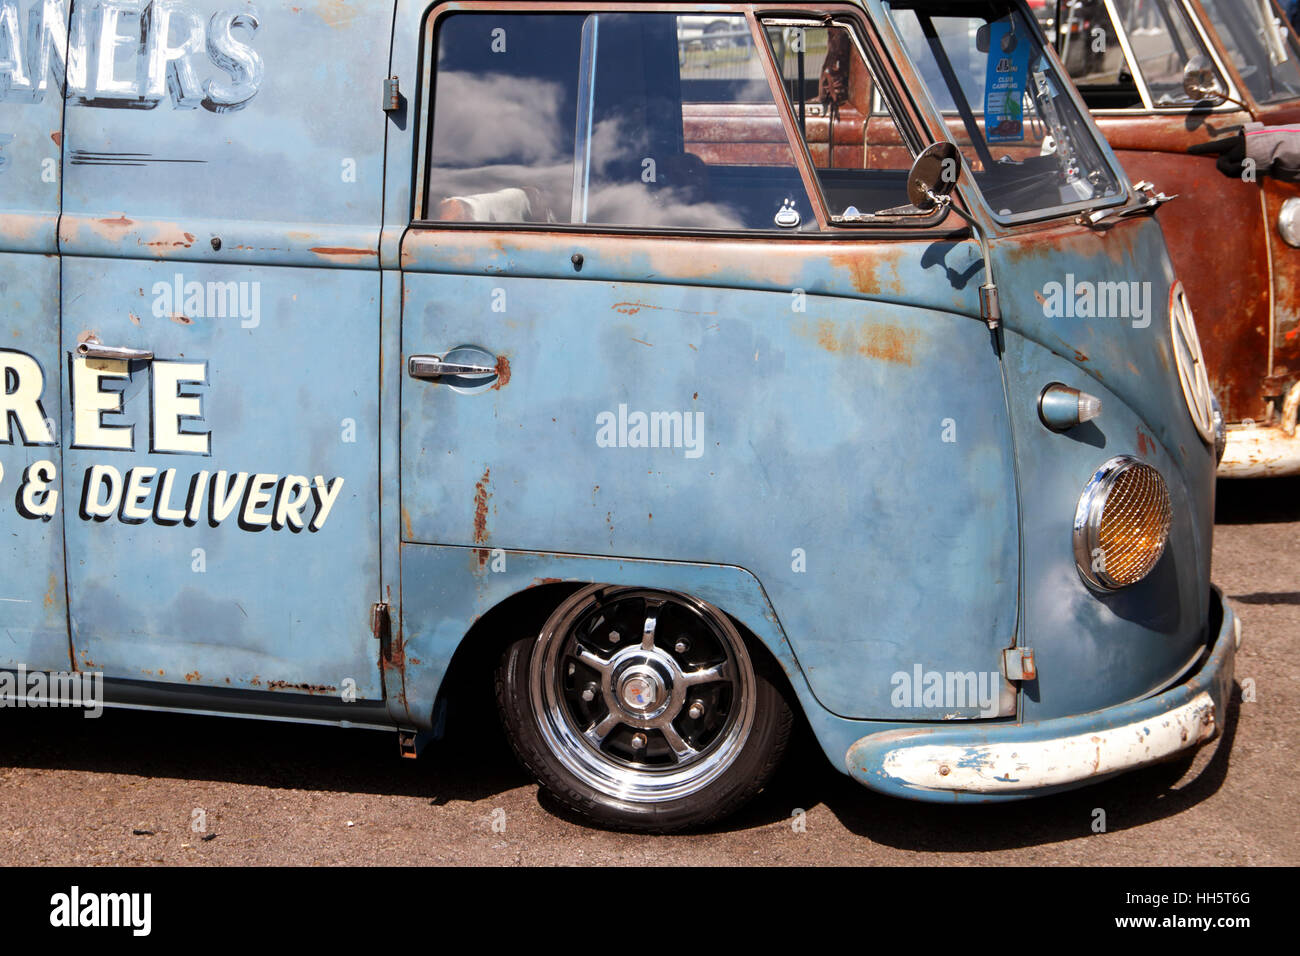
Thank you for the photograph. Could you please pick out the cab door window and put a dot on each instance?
(608, 119)
(861, 159)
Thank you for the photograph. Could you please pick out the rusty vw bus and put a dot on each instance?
(661, 370)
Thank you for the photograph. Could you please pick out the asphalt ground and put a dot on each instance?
(138, 788)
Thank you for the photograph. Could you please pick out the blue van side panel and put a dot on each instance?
(252, 160)
(223, 601)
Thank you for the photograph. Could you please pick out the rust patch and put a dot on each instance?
(406, 524)
(135, 319)
(537, 581)
(338, 14)
(342, 251)
(632, 308)
(181, 319)
(481, 496)
(503, 373)
(182, 243)
(1042, 300)
(887, 343)
(192, 676)
(51, 591)
(396, 656)
(119, 221)
(865, 269)
(646, 344)
(56, 137)
(86, 335)
(826, 336)
(309, 688)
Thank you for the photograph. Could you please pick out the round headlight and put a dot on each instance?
(1122, 523)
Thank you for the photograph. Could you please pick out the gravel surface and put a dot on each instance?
(143, 788)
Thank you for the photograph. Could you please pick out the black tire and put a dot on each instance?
(728, 771)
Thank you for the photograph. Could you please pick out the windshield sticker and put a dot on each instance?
(1004, 85)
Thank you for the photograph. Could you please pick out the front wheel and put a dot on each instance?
(642, 709)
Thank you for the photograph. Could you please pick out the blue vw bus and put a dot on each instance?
(666, 369)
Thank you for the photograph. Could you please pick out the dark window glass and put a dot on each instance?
(623, 119)
(1261, 48)
(861, 159)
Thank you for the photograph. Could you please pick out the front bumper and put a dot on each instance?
(1260, 451)
(1010, 761)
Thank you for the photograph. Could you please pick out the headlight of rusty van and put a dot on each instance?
(1122, 523)
(1191, 363)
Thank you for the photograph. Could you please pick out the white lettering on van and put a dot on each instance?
(90, 402)
(172, 406)
(143, 52)
(21, 383)
(135, 495)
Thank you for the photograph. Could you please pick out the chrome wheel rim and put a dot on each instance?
(643, 695)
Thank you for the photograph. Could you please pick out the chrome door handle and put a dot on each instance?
(93, 348)
(432, 366)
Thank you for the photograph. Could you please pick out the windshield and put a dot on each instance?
(1028, 147)
(1261, 48)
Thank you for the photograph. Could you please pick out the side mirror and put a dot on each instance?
(1201, 83)
(933, 176)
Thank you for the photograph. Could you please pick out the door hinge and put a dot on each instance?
(1018, 664)
(379, 621)
(392, 94)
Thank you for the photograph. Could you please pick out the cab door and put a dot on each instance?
(220, 350)
(33, 609)
(686, 361)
